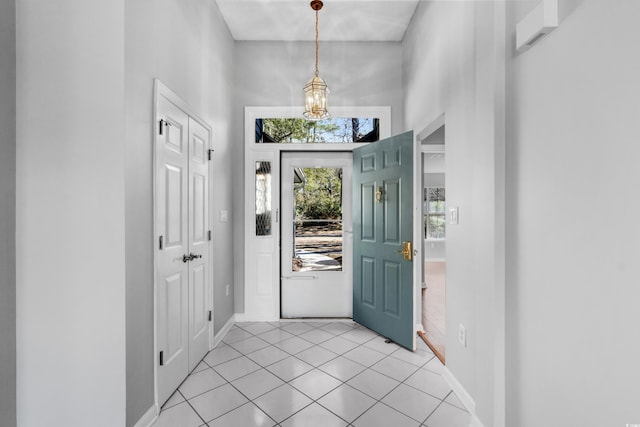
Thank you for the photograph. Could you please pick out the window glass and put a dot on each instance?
(301, 131)
(317, 222)
(263, 198)
(435, 217)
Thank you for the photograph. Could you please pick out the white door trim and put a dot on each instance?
(266, 306)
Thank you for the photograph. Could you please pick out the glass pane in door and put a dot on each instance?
(263, 198)
(317, 219)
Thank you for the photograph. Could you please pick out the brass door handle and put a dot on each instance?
(407, 251)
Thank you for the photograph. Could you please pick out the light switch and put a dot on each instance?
(453, 215)
(224, 216)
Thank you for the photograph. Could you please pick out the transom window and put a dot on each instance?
(301, 131)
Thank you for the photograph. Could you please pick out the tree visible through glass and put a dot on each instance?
(317, 223)
(301, 131)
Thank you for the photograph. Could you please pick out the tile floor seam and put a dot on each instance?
(318, 403)
(432, 412)
(385, 395)
(233, 409)
(425, 392)
(194, 409)
(252, 401)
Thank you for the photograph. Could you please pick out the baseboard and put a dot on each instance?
(222, 332)
(475, 422)
(240, 317)
(148, 418)
(463, 395)
(244, 317)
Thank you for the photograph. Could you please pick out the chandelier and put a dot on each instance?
(316, 91)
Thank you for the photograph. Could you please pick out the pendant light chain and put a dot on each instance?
(317, 73)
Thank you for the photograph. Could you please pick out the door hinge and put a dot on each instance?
(161, 242)
(209, 315)
(162, 358)
(162, 124)
(209, 235)
(211, 153)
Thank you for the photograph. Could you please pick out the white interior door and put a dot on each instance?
(199, 264)
(172, 281)
(316, 254)
(183, 267)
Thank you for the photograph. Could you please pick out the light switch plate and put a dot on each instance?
(462, 335)
(224, 216)
(453, 215)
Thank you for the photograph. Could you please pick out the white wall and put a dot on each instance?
(70, 245)
(188, 47)
(7, 214)
(573, 210)
(273, 74)
(450, 55)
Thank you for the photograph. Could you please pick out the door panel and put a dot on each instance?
(383, 219)
(367, 214)
(173, 274)
(391, 218)
(174, 186)
(171, 295)
(199, 141)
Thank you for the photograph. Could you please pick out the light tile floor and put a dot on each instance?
(313, 374)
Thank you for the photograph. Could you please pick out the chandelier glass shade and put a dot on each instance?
(316, 92)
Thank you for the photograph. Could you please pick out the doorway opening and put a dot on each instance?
(316, 258)
(433, 292)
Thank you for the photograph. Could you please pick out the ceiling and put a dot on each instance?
(340, 20)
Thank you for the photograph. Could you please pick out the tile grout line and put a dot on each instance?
(299, 332)
(376, 401)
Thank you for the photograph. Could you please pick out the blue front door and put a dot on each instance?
(382, 228)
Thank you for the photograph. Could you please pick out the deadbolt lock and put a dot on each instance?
(407, 250)
(379, 195)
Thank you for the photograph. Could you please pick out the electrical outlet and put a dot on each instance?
(228, 289)
(462, 335)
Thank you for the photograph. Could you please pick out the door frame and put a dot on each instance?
(161, 90)
(331, 159)
(261, 300)
(418, 270)
(429, 149)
